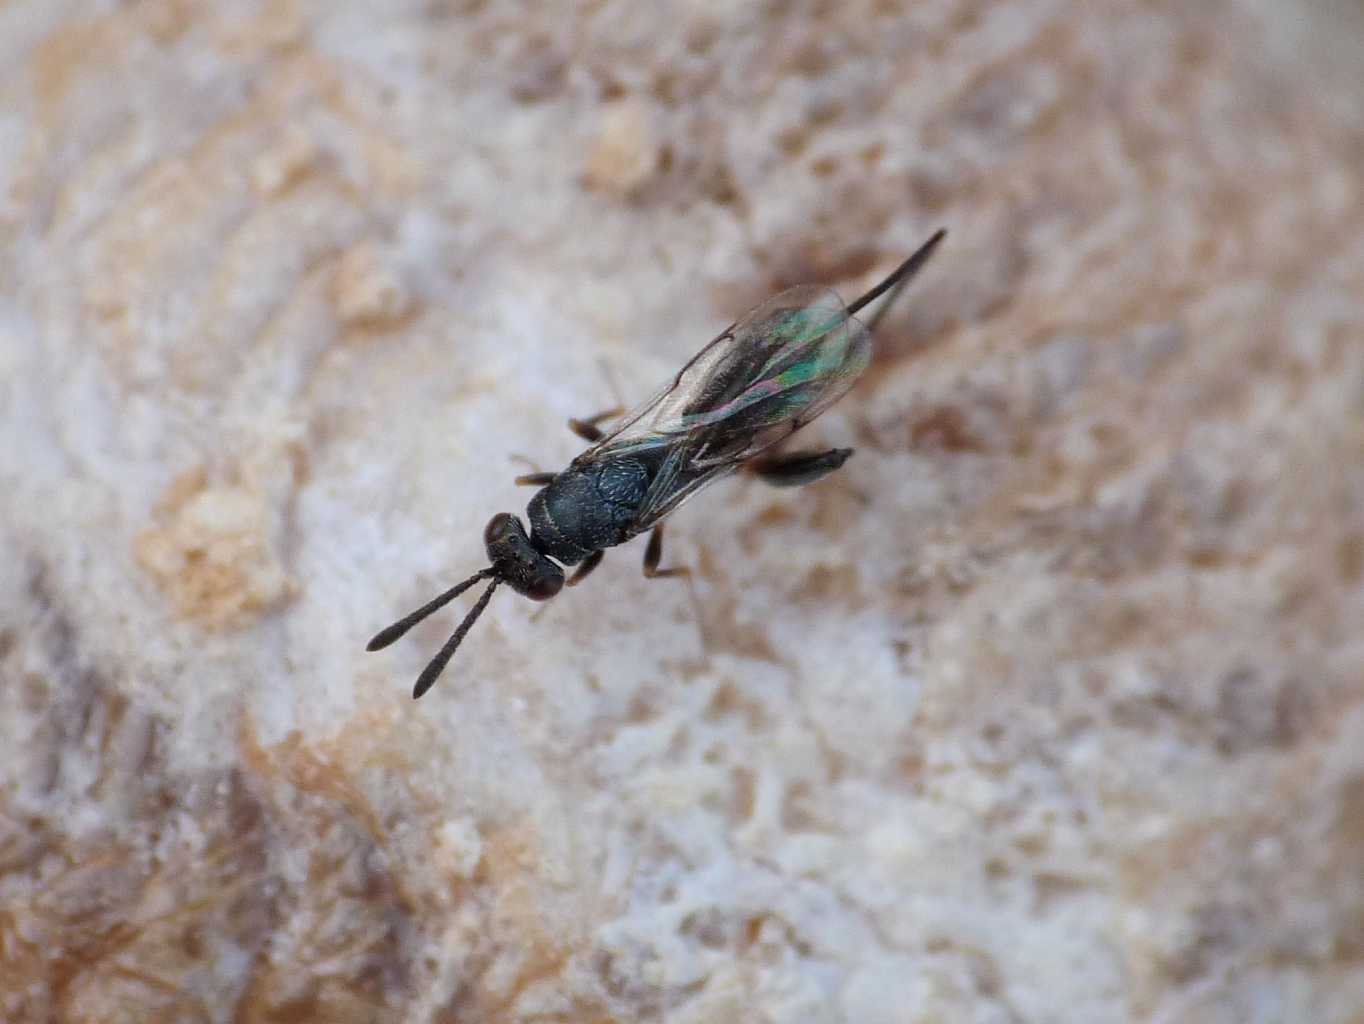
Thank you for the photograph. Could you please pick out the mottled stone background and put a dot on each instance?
(1048, 707)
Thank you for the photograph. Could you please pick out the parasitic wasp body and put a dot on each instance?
(770, 373)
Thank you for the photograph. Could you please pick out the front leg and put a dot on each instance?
(792, 469)
(535, 479)
(591, 562)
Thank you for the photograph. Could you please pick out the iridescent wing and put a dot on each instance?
(773, 371)
(777, 368)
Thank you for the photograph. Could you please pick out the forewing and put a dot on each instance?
(776, 369)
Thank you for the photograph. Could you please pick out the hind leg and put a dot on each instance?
(792, 469)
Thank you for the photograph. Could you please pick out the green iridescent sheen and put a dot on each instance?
(811, 344)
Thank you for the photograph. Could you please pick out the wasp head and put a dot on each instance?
(514, 561)
(517, 561)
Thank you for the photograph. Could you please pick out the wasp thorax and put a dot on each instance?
(515, 560)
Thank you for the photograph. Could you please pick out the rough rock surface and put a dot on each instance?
(1048, 707)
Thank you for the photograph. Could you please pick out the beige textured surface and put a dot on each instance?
(1048, 707)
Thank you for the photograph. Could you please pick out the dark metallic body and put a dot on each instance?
(726, 409)
(592, 505)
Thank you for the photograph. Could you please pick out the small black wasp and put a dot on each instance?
(770, 373)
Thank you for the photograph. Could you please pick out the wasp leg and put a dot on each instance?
(589, 563)
(535, 479)
(653, 554)
(588, 430)
(795, 468)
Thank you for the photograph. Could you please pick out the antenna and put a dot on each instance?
(438, 663)
(387, 636)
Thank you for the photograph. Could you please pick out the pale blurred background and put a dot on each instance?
(1047, 707)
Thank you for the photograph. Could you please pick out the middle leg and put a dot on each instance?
(589, 563)
(588, 429)
(653, 554)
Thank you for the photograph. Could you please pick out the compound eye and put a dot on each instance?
(545, 586)
(499, 527)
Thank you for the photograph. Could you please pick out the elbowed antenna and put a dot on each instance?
(387, 636)
(898, 278)
(437, 664)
